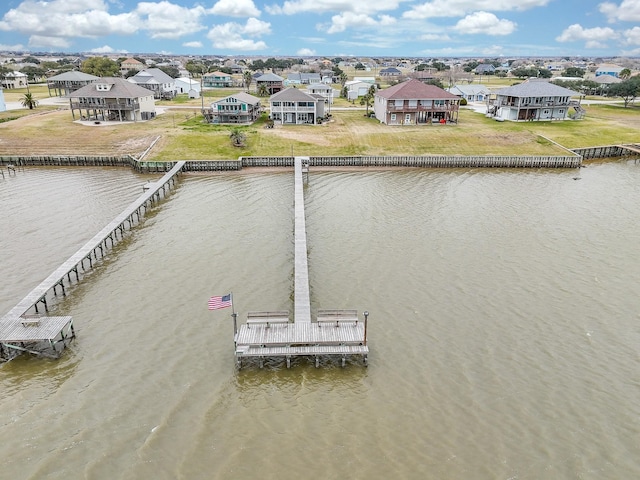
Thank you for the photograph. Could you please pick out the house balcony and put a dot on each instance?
(423, 108)
(294, 109)
(106, 105)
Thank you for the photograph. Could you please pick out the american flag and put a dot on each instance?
(220, 302)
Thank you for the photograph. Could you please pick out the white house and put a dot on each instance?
(188, 85)
(357, 88)
(14, 80)
(295, 107)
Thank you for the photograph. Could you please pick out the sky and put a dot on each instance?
(325, 28)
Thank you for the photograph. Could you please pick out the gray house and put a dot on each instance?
(295, 107)
(534, 100)
(471, 93)
(68, 82)
(162, 85)
(112, 99)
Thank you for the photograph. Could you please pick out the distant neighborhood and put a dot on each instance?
(302, 91)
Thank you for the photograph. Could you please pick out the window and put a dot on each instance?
(393, 117)
(407, 118)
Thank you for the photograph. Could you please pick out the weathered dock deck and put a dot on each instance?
(338, 333)
(16, 329)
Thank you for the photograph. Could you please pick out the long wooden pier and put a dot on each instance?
(25, 327)
(335, 333)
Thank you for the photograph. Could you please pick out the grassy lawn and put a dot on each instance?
(184, 136)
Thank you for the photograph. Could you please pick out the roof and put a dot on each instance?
(606, 79)
(242, 97)
(217, 73)
(131, 61)
(536, 88)
(269, 77)
(293, 95)
(390, 70)
(414, 90)
(609, 67)
(121, 88)
(151, 75)
(74, 76)
(469, 89)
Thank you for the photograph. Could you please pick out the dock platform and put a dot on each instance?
(335, 333)
(24, 328)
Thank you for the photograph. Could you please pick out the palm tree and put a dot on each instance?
(624, 74)
(367, 99)
(29, 101)
(248, 78)
(238, 137)
(343, 79)
(263, 91)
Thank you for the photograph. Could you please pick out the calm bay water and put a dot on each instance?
(503, 330)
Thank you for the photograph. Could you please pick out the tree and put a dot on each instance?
(29, 101)
(368, 98)
(359, 66)
(573, 72)
(263, 91)
(247, 77)
(343, 78)
(100, 67)
(624, 74)
(238, 137)
(173, 72)
(627, 90)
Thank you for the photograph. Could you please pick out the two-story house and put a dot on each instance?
(533, 100)
(131, 64)
(237, 108)
(270, 82)
(295, 107)
(162, 85)
(415, 103)
(112, 99)
(217, 80)
(68, 82)
(13, 80)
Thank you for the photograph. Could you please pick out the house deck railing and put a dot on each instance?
(106, 105)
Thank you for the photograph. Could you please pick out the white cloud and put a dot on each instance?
(628, 11)
(195, 44)
(12, 48)
(433, 37)
(339, 23)
(593, 37)
(632, 36)
(485, 23)
(103, 49)
(458, 8)
(306, 52)
(326, 6)
(232, 35)
(493, 50)
(168, 20)
(48, 42)
(235, 8)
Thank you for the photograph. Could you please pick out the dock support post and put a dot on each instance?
(288, 361)
(366, 316)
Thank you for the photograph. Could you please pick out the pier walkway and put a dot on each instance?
(24, 328)
(335, 333)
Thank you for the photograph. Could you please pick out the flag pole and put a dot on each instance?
(234, 315)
